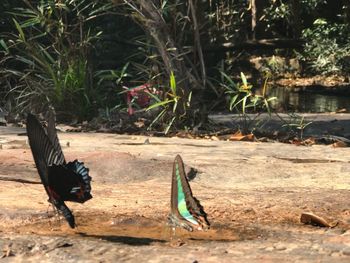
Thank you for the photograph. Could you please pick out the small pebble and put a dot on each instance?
(346, 252)
(280, 247)
(269, 249)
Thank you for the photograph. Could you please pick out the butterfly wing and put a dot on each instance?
(179, 215)
(45, 156)
(44, 153)
(70, 182)
(186, 211)
(82, 173)
(52, 134)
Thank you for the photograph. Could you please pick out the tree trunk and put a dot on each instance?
(346, 4)
(148, 14)
(296, 25)
(170, 53)
(257, 8)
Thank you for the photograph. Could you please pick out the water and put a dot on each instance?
(288, 100)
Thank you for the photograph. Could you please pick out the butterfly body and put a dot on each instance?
(62, 181)
(186, 211)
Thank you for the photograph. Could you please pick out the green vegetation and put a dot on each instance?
(297, 125)
(46, 56)
(83, 57)
(327, 49)
(244, 101)
(167, 116)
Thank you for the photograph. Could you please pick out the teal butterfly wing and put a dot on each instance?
(186, 210)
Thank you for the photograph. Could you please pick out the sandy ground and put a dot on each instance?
(253, 193)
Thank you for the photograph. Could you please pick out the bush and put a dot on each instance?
(327, 47)
(46, 56)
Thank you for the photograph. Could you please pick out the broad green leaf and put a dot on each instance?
(20, 31)
(156, 118)
(233, 100)
(47, 55)
(244, 101)
(25, 60)
(237, 103)
(154, 96)
(175, 104)
(267, 106)
(265, 87)
(164, 4)
(4, 46)
(30, 22)
(169, 125)
(159, 104)
(122, 73)
(228, 79)
(189, 99)
(244, 80)
(173, 83)
(23, 12)
(37, 36)
(103, 8)
(79, 12)
(320, 21)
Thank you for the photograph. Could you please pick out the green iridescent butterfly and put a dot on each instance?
(186, 211)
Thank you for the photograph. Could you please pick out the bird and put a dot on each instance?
(62, 181)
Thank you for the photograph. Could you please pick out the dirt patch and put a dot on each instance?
(253, 193)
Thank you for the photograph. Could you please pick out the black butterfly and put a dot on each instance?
(62, 181)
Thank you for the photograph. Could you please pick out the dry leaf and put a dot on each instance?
(309, 141)
(340, 144)
(7, 252)
(177, 243)
(224, 137)
(343, 110)
(311, 219)
(238, 136)
(184, 134)
(139, 124)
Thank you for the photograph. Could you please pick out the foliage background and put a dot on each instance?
(82, 56)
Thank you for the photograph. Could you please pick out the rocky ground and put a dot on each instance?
(254, 194)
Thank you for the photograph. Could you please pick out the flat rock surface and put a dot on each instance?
(253, 193)
(312, 124)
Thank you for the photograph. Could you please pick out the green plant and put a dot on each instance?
(174, 44)
(297, 125)
(47, 58)
(168, 105)
(327, 47)
(112, 81)
(243, 101)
